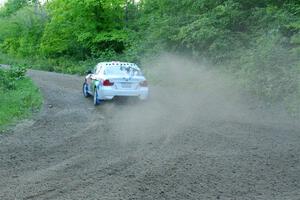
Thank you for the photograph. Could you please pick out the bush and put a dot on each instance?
(271, 72)
(19, 103)
(9, 78)
(19, 96)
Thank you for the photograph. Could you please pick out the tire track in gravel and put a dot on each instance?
(160, 149)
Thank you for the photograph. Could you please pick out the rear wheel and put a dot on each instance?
(96, 98)
(85, 90)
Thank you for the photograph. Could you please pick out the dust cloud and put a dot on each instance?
(185, 95)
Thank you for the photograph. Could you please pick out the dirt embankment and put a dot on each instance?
(180, 144)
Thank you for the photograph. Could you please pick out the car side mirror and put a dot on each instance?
(88, 72)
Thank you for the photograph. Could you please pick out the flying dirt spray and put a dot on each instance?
(185, 94)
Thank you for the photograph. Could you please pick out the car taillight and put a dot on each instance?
(107, 83)
(144, 83)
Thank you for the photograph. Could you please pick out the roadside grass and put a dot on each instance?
(19, 103)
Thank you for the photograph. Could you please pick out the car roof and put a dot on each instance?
(117, 63)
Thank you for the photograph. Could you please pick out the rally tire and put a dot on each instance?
(85, 90)
(96, 98)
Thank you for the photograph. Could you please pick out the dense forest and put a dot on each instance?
(256, 41)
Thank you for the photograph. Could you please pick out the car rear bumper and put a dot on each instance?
(111, 92)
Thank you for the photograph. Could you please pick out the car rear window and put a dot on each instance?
(121, 70)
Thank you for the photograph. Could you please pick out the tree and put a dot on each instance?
(12, 6)
(84, 27)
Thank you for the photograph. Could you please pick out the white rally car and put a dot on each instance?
(110, 79)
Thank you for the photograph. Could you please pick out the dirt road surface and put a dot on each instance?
(174, 146)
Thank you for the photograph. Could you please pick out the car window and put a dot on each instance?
(115, 71)
(94, 70)
(98, 70)
(121, 70)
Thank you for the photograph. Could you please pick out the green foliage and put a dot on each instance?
(19, 96)
(20, 102)
(213, 31)
(12, 6)
(21, 32)
(10, 77)
(84, 28)
(269, 70)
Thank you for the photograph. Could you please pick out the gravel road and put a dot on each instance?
(174, 146)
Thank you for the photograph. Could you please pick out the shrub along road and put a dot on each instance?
(19, 96)
(174, 146)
